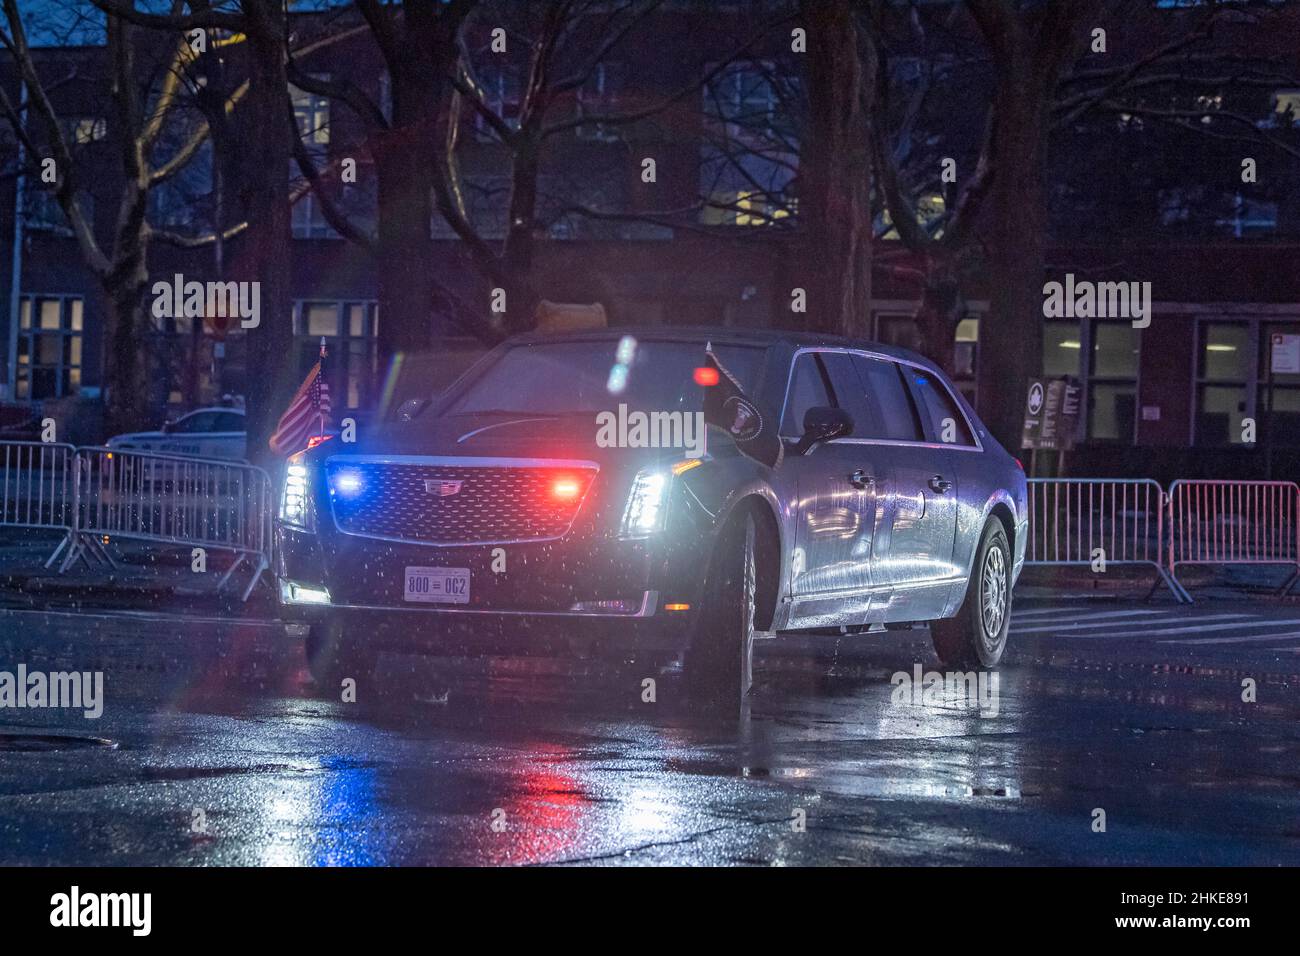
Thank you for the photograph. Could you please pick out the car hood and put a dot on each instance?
(136, 436)
(496, 436)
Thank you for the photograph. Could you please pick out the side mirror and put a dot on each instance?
(168, 425)
(822, 423)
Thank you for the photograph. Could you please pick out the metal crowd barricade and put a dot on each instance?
(173, 499)
(37, 488)
(1070, 518)
(1235, 522)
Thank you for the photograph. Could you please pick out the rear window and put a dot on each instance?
(945, 420)
(566, 377)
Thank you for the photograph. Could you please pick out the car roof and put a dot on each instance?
(730, 335)
(215, 408)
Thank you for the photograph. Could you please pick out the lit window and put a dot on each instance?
(49, 347)
(1223, 380)
(352, 356)
(1112, 382)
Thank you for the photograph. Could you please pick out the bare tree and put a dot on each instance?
(137, 124)
(418, 44)
(264, 140)
(1041, 84)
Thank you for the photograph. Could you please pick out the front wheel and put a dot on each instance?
(977, 636)
(720, 663)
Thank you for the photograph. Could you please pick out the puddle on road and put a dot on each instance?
(17, 742)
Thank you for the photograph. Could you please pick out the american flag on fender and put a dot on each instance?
(308, 413)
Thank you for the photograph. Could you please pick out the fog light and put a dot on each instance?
(291, 592)
(677, 607)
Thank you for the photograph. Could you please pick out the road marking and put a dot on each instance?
(1254, 639)
(1074, 615)
(1146, 624)
(1082, 619)
(1226, 627)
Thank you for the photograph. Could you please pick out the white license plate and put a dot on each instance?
(437, 585)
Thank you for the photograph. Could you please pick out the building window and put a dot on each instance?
(312, 113)
(1062, 349)
(501, 88)
(1112, 382)
(1279, 387)
(1248, 217)
(599, 96)
(86, 129)
(42, 212)
(754, 185)
(965, 357)
(352, 362)
(308, 219)
(1223, 381)
(744, 97)
(1286, 110)
(49, 347)
(745, 207)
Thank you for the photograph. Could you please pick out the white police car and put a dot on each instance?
(217, 432)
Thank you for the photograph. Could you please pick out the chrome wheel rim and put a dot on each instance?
(994, 593)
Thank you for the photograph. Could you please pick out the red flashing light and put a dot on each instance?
(315, 440)
(706, 376)
(566, 488)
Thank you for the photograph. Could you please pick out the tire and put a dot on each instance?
(720, 663)
(333, 658)
(977, 636)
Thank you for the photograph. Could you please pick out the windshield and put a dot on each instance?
(566, 377)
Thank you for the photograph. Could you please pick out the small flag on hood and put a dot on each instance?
(726, 406)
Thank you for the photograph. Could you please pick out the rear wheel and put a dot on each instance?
(720, 663)
(333, 658)
(977, 636)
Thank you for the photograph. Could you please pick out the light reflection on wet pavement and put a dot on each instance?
(226, 754)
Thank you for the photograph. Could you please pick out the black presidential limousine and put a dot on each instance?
(564, 497)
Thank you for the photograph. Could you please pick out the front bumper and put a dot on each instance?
(522, 596)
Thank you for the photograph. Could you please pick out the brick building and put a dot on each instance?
(1164, 401)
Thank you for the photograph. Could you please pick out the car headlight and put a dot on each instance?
(646, 504)
(295, 500)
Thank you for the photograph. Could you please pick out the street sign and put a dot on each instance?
(1286, 354)
(1051, 414)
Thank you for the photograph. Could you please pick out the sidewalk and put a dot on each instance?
(1205, 582)
(146, 575)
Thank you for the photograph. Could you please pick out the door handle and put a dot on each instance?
(860, 479)
(939, 484)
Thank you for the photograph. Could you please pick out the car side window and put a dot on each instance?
(192, 424)
(849, 394)
(807, 390)
(228, 422)
(893, 413)
(944, 420)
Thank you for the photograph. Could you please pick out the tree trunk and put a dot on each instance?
(266, 147)
(126, 378)
(835, 174)
(404, 252)
(941, 308)
(1011, 335)
(517, 256)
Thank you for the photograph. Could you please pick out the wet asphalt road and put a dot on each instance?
(215, 748)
